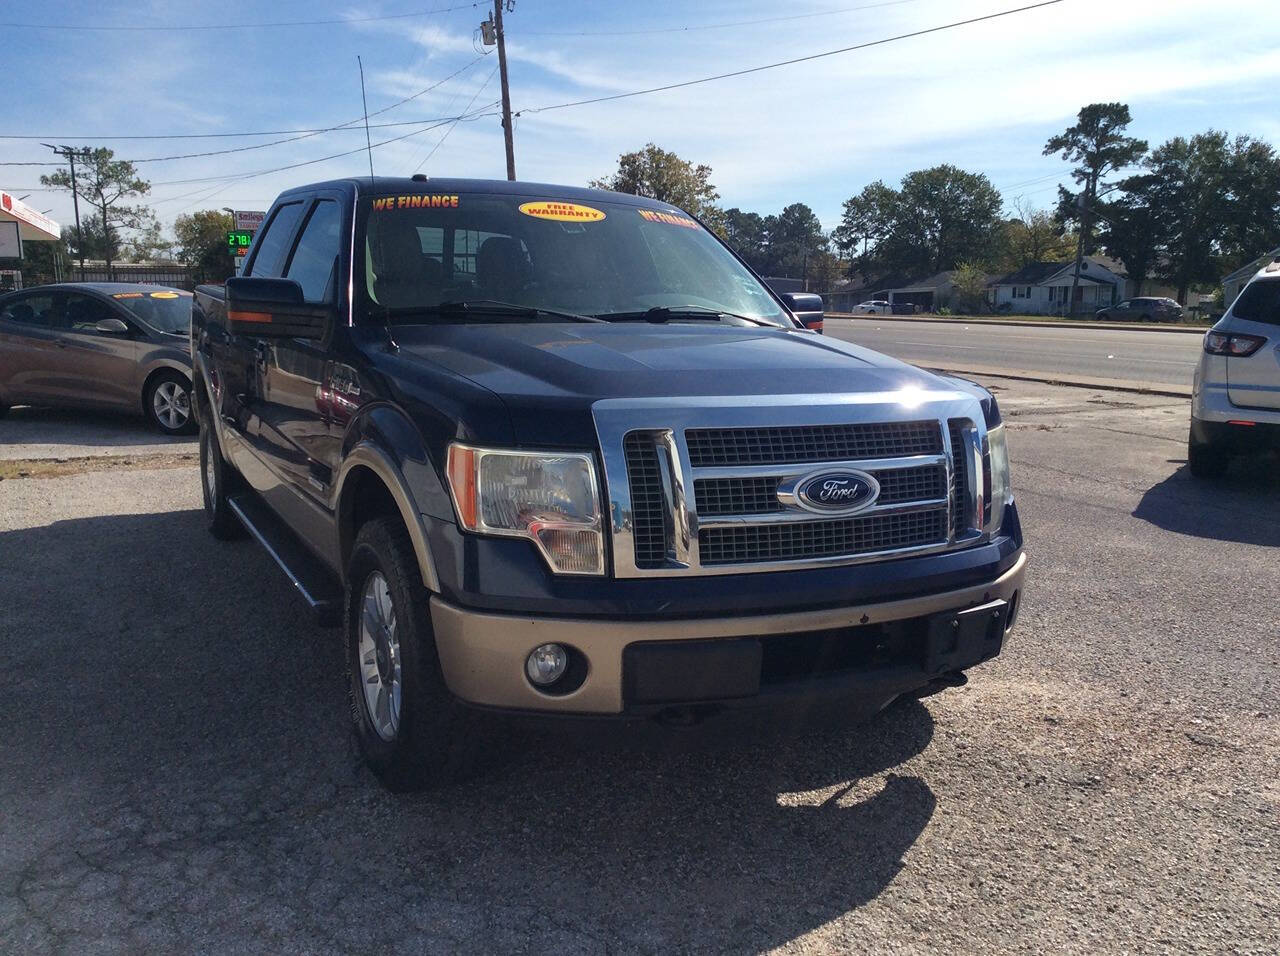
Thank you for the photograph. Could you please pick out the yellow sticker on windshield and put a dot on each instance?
(164, 295)
(561, 211)
(671, 220)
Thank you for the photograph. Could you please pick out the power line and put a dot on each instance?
(151, 28)
(307, 134)
(710, 26)
(799, 59)
(487, 81)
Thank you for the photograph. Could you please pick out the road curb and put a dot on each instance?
(1074, 381)
(940, 320)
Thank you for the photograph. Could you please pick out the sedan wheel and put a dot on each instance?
(168, 404)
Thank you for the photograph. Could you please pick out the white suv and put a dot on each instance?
(1235, 402)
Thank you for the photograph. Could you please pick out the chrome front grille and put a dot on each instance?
(647, 501)
(711, 447)
(704, 489)
(820, 539)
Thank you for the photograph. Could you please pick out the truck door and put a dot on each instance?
(245, 359)
(294, 425)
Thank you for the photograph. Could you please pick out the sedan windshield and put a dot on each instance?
(166, 310)
(608, 260)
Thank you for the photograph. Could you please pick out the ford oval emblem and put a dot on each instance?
(837, 492)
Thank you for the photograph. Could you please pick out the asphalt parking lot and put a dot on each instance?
(175, 773)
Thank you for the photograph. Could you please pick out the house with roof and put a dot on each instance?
(1044, 288)
(1233, 284)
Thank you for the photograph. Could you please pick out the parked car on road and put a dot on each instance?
(549, 449)
(112, 345)
(1235, 400)
(872, 307)
(1143, 309)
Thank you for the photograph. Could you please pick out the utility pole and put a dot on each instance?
(70, 153)
(493, 28)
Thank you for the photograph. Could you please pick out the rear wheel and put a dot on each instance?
(410, 729)
(1146, 318)
(1207, 460)
(167, 402)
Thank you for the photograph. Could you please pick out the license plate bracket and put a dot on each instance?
(960, 639)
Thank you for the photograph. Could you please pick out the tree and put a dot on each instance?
(104, 181)
(148, 241)
(1032, 235)
(794, 237)
(202, 243)
(745, 233)
(664, 176)
(91, 243)
(1130, 231)
(970, 282)
(824, 271)
(940, 217)
(866, 219)
(1252, 203)
(1097, 146)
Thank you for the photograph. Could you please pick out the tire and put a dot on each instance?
(1207, 461)
(430, 739)
(217, 478)
(4, 409)
(167, 403)
(1146, 318)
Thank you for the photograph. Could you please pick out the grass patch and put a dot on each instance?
(61, 467)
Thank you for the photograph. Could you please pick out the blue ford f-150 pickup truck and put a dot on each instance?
(547, 449)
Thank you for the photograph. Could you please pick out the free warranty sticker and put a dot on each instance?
(561, 211)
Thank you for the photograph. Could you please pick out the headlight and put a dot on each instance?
(551, 498)
(1000, 492)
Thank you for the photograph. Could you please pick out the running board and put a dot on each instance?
(316, 583)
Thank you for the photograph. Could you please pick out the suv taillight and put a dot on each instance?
(1223, 343)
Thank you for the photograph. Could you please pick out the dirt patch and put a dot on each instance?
(59, 467)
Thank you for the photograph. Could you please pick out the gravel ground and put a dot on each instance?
(175, 774)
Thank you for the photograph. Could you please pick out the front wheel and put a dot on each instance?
(216, 477)
(1205, 460)
(410, 729)
(167, 403)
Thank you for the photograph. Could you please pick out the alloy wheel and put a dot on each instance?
(171, 404)
(379, 653)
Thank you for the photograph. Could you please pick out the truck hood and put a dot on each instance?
(549, 375)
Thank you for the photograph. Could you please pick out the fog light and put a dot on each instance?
(546, 664)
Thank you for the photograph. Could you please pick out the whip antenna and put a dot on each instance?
(368, 143)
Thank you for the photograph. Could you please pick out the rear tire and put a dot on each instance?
(1207, 461)
(216, 479)
(1146, 318)
(412, 732)
(167, 404)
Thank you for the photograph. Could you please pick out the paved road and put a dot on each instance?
(1163, 358)
(175, 774)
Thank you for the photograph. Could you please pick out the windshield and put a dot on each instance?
(603, 259)
(167, 310)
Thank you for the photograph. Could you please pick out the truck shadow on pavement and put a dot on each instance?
(176, 767)
(1243, 506)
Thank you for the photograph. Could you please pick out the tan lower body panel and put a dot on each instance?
(483, 654)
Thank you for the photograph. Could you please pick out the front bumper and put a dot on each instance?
(882, 649)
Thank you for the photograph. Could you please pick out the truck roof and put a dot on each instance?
(502, 187)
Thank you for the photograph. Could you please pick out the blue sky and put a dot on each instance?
(985, 97)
